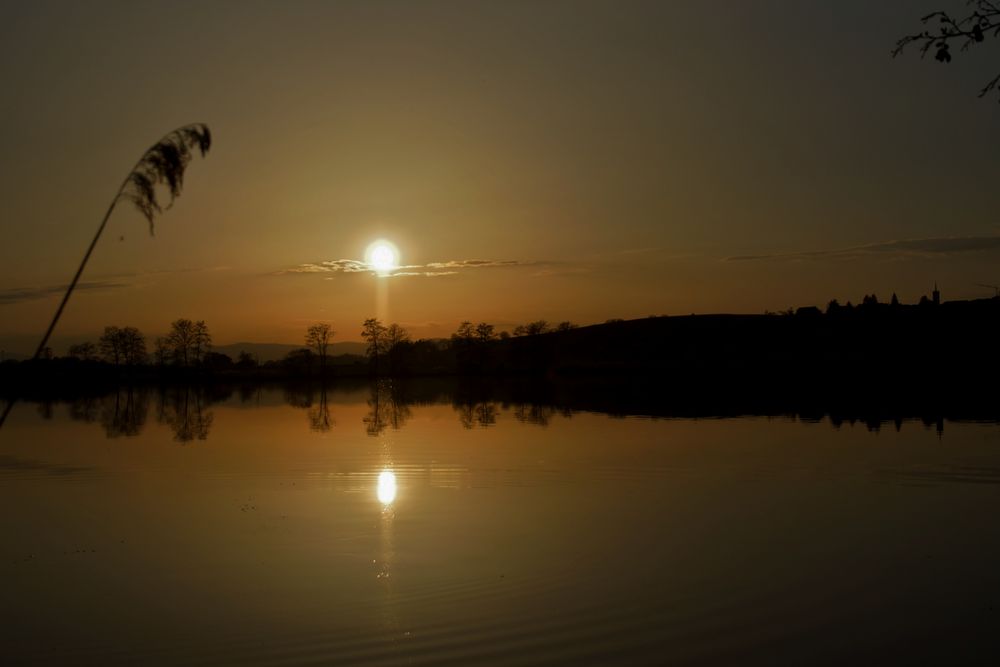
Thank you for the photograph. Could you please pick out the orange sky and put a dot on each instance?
(603, 160)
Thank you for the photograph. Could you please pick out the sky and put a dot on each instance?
(530, 160)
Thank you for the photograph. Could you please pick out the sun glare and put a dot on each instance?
(386, 489)
(382, 256)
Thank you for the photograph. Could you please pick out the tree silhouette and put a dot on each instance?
(318, 337)
(162, 353)
(396, 339)
(485, 332)
(979, 20)
(123, 345)
(395, 335)
(110, 344)
(245, 360)
(374, 332)
(163, 164)
(535, 328)
(466, 331)
(188, 342)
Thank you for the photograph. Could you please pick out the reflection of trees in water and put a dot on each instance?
(250, 393)
(299, 396)
(319, 414)
(532, 413)
(386, 407)
(123, 413)
(482, 413)
(45, 409)
(315, 404)
(185, 411)
(84, 409)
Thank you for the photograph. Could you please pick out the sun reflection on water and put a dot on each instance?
(386, 489)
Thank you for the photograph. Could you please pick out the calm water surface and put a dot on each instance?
(272, 527)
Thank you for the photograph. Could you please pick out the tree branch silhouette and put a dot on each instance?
(982, 19)
(163, 164)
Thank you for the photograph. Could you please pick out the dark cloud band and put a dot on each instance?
(19, 294)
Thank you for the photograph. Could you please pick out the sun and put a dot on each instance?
(382, 256)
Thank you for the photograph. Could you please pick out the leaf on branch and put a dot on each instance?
(943, 54)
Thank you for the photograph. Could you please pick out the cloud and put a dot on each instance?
(429, 274)
(477, 264)
(429, 270)
(330, 266)
(113, 281)
(928, 247)
(19, 294)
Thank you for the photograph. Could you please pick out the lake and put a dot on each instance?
(367, 525)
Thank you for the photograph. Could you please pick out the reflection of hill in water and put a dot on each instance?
(187, 410)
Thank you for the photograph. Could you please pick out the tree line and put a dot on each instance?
(188, 344)
(389, 348)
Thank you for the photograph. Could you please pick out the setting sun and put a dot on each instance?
(382, 256)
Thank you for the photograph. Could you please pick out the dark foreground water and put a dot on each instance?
(283, 527)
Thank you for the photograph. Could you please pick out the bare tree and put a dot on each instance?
(123, 345)
(374, 332)
(395, 335)
(188, 342)
(466, 331)
(536, 327)
(485, 332)
(980, 19)
(133, 345)
(396, 338)
(111, 345)
(246, 360)
(318, 337)
(202, 341)
(162, 352)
